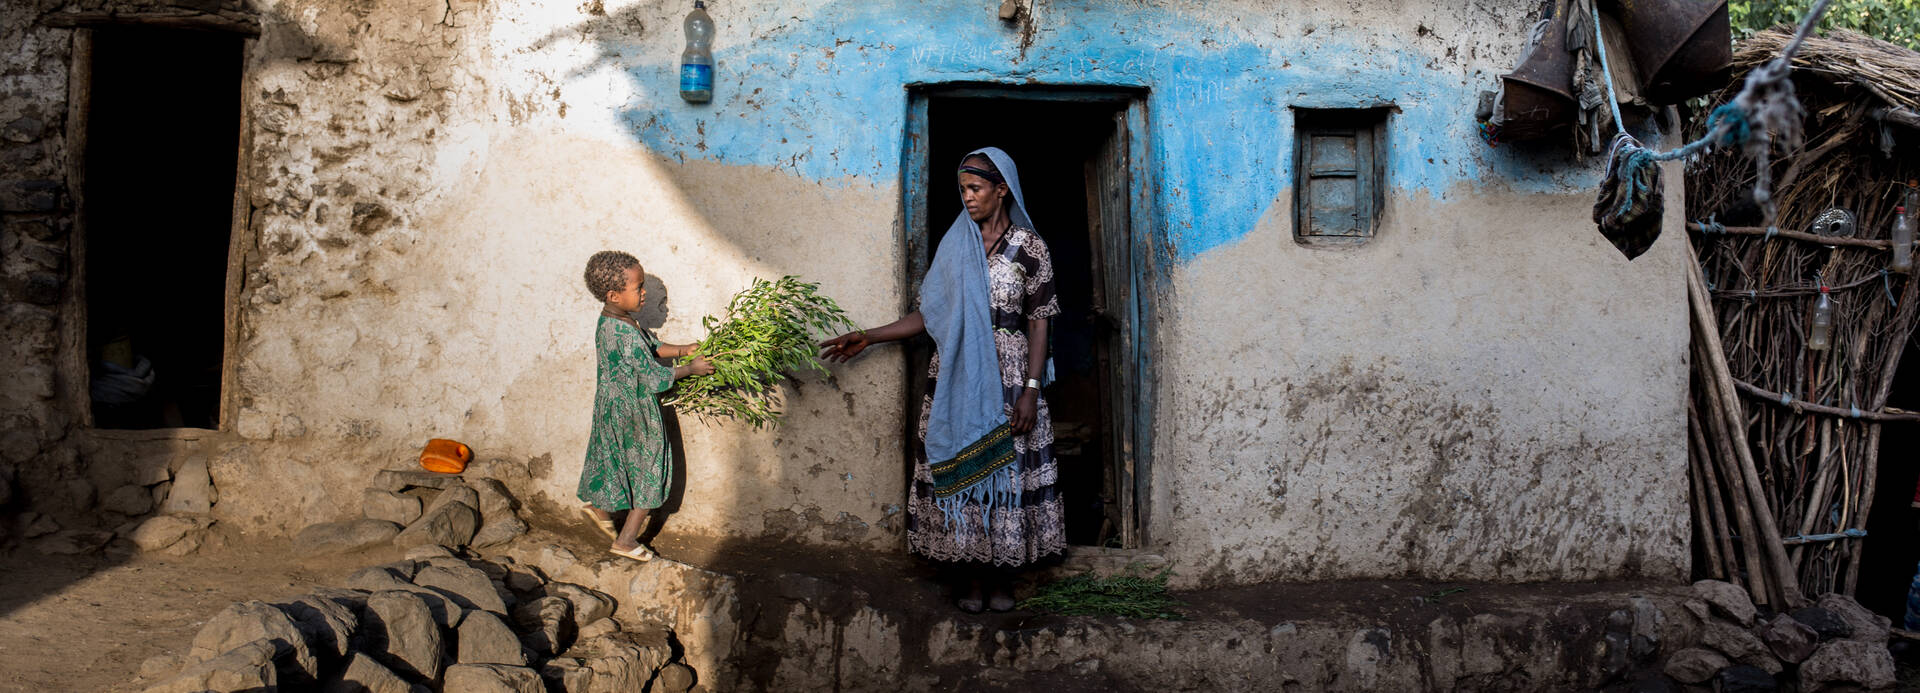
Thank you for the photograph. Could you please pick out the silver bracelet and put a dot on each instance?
(1033, 383)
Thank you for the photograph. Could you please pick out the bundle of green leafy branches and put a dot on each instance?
(769, 330)
(1129, 594)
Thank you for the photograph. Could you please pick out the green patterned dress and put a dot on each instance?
(627, 454)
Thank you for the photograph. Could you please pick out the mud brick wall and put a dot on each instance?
(1485, 390)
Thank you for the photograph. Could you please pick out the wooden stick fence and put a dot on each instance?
(1785, 438)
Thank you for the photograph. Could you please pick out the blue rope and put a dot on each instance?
(1727, 125)
(1601, 41)
(1886, 282)
(1786, 399)
(1849, 533)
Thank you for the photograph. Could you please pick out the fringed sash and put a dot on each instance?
(983, 474)
(978, 460)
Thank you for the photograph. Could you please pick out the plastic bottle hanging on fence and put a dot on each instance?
(1902, 236)
(1821, 336)
(696, 62)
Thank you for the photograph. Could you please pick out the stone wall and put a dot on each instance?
(36, 220)
(1485, 391)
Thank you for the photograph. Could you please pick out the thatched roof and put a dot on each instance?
(1844, 58)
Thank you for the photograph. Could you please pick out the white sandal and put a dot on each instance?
(605, 525)
(639, 553)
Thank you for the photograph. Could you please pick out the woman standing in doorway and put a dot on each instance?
(983, 499)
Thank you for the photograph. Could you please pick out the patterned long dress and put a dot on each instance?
(1021, 279)
(628, 453)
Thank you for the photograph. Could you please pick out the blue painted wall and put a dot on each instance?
(823, 96)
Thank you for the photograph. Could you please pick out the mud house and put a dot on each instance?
(1315, 327)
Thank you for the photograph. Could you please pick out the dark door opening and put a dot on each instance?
(1892, 546)
(163, 127)
(1071, 150)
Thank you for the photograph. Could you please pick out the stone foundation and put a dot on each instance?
(773, 630)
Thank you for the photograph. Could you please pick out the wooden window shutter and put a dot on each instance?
(1337, 174)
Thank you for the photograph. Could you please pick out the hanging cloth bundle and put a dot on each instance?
(1630, 205)
(1629, 209)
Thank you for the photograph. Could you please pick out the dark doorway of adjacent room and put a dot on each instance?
(1071, 149)
(162, 131)
(1891, 550)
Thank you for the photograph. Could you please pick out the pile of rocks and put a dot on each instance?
(418, 508)
(1834, 644)
(435, 621)
(180, 490)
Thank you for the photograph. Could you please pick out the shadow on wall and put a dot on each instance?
(652, 316)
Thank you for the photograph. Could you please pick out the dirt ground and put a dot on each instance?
(85, 623)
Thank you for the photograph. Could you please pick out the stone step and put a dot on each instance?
(882, 631)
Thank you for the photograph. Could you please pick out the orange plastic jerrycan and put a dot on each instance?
(446, 456)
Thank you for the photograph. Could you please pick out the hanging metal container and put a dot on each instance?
(1538, 94)
(1681, 48)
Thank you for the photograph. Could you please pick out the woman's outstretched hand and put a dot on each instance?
(699, 366)
(845, 346)
(1026, 411)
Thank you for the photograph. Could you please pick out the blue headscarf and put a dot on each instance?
(954, 302)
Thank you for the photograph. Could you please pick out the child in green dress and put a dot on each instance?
(628, 453)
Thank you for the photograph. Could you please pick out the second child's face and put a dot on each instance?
(629, 299)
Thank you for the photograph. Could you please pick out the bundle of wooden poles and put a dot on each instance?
(1784, 438)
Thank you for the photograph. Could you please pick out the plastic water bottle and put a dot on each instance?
(1902, 237)
(696, 62)
(1821, 336)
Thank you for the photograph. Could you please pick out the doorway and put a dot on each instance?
(1073, 149)
(162, 126)
(1890, 552)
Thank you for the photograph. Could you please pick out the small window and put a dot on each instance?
(1339, 174)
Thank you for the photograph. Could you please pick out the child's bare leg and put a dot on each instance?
(630, 531)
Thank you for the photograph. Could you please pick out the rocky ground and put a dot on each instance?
(89, 622)
(401, 600)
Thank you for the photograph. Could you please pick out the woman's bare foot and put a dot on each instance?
(1001, 599)
(972, 602)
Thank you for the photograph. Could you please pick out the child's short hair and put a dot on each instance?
(607, 272)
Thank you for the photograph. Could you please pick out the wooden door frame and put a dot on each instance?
(73, 332)
(1137, 339)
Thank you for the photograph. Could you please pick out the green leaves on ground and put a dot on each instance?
(1130, 594)
(770, 329)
